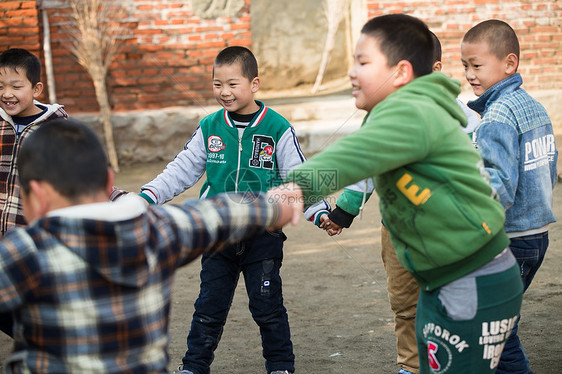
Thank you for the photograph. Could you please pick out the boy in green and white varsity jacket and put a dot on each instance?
(434, 193)
(245, 147)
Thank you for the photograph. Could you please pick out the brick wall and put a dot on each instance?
(537, 24)
(19, 26)
(167, 59)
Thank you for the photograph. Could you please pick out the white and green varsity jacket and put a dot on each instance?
(258, 160)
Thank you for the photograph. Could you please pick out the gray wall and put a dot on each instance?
(288, 37)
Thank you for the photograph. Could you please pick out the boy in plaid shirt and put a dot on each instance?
(89, 281)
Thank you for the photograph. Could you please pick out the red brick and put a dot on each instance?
(240, 42)
(28, 4)
(207, 29)
(28, 30)
(22, 13)
(11, 22)
(240, 26)
(125, 81)
(150, 48)
(11, 4)
(207, 45)
(153, 80)
(148, 31)
(164, 55)
(30, 21)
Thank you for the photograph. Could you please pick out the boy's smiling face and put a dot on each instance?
(482, 68)
(371, 77)
(233, 90)
(17, 93)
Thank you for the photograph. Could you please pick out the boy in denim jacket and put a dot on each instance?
(516, 141)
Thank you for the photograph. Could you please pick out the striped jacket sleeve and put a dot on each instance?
(181, 173)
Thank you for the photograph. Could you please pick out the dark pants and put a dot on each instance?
(529, 252)
(7, 324)
(259, 260)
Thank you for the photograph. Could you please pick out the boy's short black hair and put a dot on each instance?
(500, 37)
(437, 54)
(403, 37)
(240, 55)
(18, 58)
(66, 154)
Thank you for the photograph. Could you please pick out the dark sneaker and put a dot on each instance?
(281, 372)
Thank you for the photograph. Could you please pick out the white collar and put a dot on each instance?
(126, 207)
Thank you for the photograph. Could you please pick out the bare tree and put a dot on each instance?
(96, 34)
(334, 10)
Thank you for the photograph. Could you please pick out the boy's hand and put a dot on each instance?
(290, 200)
(330, 227)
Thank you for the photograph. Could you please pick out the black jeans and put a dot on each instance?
(259, 260)
(7, 323)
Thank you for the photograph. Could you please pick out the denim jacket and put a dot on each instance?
(516, 141)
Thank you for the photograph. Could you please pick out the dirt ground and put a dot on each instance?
(335, 293)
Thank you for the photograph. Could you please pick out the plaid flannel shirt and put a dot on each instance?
(89, 285)
(11, 213)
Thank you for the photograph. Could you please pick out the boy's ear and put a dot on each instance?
(511, 64)
(37, 90)
(255, 84)
(437, 66)
(404, 73)
(110, 181)
(37, 200)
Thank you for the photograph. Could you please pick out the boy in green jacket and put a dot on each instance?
(403, 290)
(244, 147)
(435, 197)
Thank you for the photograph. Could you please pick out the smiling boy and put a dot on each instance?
(434, 196)
(20, 114)
(516, 141)
(244, 147)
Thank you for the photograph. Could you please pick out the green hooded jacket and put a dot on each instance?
(434, 193)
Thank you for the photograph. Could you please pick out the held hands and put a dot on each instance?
(330, 227)
(289, 198)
